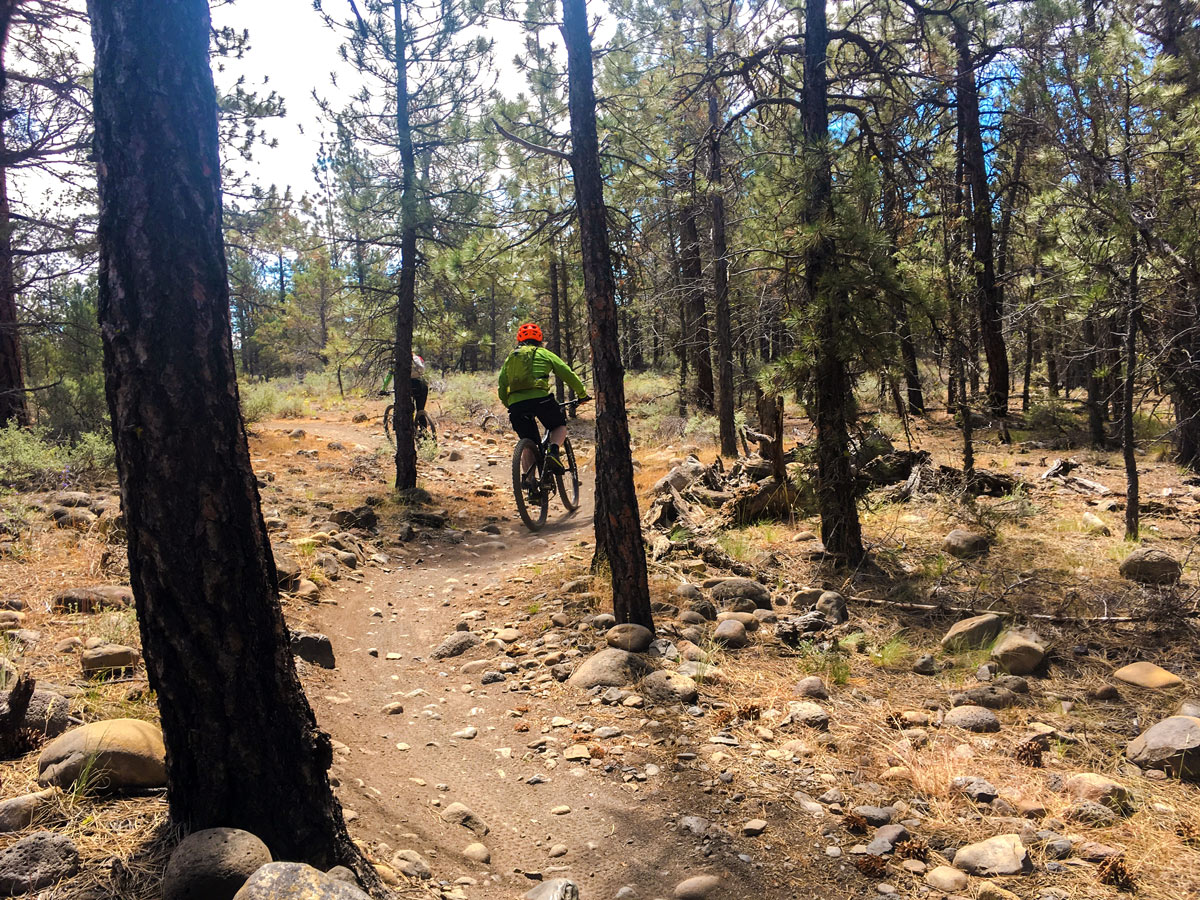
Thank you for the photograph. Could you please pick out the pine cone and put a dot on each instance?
(913, 848)
(1116, 872)
(854, 823)
(871, 866)
(1029, 753)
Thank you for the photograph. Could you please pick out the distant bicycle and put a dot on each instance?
(426, 427)
(533, 490)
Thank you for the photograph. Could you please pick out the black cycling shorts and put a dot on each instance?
(525, 415)
(420, 394)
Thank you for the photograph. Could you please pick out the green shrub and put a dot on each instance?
(466, 397)
(31, 460)
(1053, 415)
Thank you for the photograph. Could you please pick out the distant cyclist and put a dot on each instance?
(525, 391)
(420, 388)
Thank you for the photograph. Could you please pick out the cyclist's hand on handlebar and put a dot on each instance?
(583, 399)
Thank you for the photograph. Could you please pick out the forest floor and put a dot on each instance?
(629, 797)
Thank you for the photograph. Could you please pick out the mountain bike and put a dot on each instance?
(423, 423)
(533, 492)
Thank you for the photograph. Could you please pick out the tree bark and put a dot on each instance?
(841, 530)
(13, 407)
(406, 438)
(618, 526)
(1132, 311)
(723, 323)
(990, 299)
(555, 330)
(699, 339)
(241, 738)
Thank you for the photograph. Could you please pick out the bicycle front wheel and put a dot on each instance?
(531, 503)
(568, 478)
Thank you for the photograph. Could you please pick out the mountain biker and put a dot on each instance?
(525, 391)
(420, 388)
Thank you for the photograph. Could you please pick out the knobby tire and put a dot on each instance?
(532, 511)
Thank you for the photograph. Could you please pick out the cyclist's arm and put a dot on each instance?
(568, 376)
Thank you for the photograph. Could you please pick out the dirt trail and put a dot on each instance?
(398, 772)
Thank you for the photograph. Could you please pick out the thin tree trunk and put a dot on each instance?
(241, 738)
(555, 330)
(406, 446)
(618, 526)
(1095, 384)
(841, 530)
(12, 379)
(1132, 312)
(990, 299)
(723, 323)
(699, 340)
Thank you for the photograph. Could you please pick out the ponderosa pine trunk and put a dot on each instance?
(724, 322)
(555, 330)
(699, 338)
(243, 746)
(13, 407)
(990, 297)
(841, 530)
(618, 526)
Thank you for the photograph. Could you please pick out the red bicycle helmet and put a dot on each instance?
(529, 332)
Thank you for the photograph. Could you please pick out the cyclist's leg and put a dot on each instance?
(552, 417)
(524, 423)
(420, 394)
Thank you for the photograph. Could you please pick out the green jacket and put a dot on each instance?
(544, 362)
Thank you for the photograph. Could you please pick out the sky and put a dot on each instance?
(297, 54)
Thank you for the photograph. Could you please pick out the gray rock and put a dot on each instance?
(114, 755)
(1088, 813)
(926, 665)
(689, 592)
(742, 588)
(698, 887)
(973, 718)
(47, 712)
(609, 668)
(286, 880)
(704, 608)
(1018, 654)
(804, 712)
(667, 687)
(886, 838)
(978, 789)
(410, 863)
(1000, 855)
(21, 812)
(37, 861)
(965, 544)
(456, 645)
(876, 816)
(989, 696)
(477, 853)
(946, 879)
(833, 606)
(93, 599)
(1189, 708)
(1172, 745)
(461, 814)
(972, 633)
(732, 634)
(213, 864)
(812, 687)
(1149, 565)
(631, 637)
(313, 647)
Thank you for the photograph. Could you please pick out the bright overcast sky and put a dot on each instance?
(291, 47)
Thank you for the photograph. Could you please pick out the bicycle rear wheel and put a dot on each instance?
(426, 428)
(388, 423)
(568, 479)
(531, 504)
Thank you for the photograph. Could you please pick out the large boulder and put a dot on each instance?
(972, 633)
(832, 605)
(731, 633)
(680, 476)
(213, 864)
(1018, 654)
(731, 589)
(668, 687)
(296, 881)
(114, 755)
(965, 544)
(1149, 565)
(108, 660)
(1000, 855)
(93, 599)
(609, 668)
(456, 644)
(973, 718)
(47, 712)
(1172, 745)
(313, 647)
(37, 861)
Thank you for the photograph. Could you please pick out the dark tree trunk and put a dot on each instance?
(1030, 344)
(406, 294)
(681, 294)
(555, 330)
(1095, 383)
(699, 340)
(1133, 310)
(841, 531)
(990, 297)
(618, 526)
(241, 738)
(723, 322)
(12, 380)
